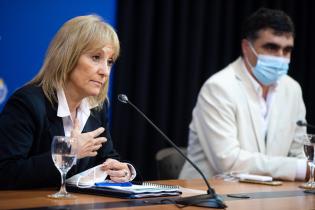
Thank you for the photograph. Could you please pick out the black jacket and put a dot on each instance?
(28, 123)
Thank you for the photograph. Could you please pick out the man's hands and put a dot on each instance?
(87, 143)
(117, 171)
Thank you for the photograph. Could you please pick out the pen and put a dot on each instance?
(110, 184)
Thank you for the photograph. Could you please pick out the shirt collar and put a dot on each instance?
(63, 108)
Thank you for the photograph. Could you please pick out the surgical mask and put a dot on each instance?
(269, 68)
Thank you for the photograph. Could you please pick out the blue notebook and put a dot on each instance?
(128, 190)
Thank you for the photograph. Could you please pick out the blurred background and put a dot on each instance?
(168, 50)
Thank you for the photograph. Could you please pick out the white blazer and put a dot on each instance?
(226, 132)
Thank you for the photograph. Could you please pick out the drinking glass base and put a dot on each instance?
(62, 195)
(308, 186)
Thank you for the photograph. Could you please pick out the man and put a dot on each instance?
(245, 116)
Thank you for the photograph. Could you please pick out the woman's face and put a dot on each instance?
(90, 73)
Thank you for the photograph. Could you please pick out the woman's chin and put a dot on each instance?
(94, 93)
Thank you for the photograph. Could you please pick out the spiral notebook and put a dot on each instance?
(145, 189)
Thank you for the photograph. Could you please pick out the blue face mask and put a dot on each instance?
(269, 68)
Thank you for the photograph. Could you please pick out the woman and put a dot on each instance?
(67, 97)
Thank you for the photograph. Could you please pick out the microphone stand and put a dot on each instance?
(209, 200)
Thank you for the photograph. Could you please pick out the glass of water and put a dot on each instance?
(64, 156)
(308, 141)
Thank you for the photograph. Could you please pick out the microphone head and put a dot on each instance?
(123, 98)
(301, 123)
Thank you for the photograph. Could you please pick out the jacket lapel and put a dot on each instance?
(55, 122)
(251, 98)
(92, 123)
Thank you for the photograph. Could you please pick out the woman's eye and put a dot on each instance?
(110, 62)
(96, 58)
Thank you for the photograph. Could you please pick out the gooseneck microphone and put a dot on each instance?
(302, 123)
(211, 199)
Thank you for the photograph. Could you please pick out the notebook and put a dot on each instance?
(132, 191)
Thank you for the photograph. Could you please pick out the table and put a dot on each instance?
(287, 196)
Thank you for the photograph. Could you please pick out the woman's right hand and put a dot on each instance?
(87, 143)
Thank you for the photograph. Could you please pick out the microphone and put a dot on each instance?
(211, 199)
(302, 123)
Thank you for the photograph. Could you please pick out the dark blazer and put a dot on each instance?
(28, 123)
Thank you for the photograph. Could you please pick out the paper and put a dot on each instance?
(147, 195)
(88, 177)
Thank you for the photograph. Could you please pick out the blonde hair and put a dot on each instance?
(77, 36)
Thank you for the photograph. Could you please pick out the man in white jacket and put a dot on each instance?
(245, 116)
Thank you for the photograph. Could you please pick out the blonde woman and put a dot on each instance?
(67, 97)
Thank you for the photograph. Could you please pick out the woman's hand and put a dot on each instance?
(117, 171)
(88, 143)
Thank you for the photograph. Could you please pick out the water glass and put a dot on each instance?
(64, 156)
(308, 141)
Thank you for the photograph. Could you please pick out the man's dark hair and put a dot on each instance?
(265, 18)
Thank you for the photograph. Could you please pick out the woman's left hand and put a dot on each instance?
(117, 171)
